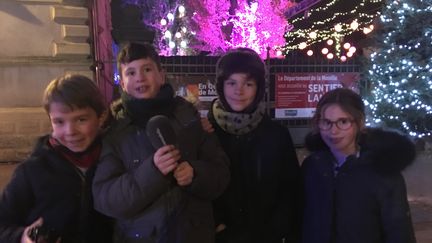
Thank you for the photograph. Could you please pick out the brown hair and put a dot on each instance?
(133, 51)
(348, 100)
(75, 91)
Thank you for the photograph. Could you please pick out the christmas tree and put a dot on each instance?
(400, 70)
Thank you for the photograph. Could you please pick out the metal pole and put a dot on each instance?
(267, 81)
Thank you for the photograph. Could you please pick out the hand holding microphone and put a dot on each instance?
(164, 140)
(165, 159)
(184, 174)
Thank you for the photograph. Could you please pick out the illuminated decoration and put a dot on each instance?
(254, 24)
(213, 27)
(279, 53)
(167, 19)
(258, 25)
(330, 21)
(300, 7)
(400, 71)
(325, 51)
(209, 21)
(177, 37)
(368, 29)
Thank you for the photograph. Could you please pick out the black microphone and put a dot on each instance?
(160, 132)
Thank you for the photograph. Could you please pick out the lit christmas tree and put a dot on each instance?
(400, 70)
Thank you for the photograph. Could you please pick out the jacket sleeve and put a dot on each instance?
(395, 212)
(15, 205)
(287, 218)
(211, 168)
(122, 193)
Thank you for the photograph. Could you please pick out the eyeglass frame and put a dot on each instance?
(351, 121)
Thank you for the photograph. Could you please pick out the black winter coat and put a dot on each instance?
(48, 186)
(261, 203)
(366, 202)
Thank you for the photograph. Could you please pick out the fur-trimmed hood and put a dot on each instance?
(115, 107)
(388, 150)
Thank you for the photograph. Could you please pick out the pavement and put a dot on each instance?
(421, 209)
(422, 220)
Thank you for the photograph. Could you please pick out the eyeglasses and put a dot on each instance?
(342, 124)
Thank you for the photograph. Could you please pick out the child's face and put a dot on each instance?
(340, 140)
(239, 91)
(141, 78)
(75, 129)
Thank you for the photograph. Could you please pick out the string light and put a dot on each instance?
(323, 30)
(325, 51)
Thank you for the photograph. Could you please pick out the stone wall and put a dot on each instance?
(19, 128)
(40, 40)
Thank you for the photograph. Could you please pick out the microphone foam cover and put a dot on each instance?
(160, 131)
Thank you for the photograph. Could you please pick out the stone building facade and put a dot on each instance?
(40, 40)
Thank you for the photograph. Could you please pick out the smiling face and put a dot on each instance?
(141, 78)
(338, 140)
(239, 91)
(75, 129)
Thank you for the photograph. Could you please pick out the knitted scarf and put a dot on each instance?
(83, 159)
(141, 110)
(237, 123)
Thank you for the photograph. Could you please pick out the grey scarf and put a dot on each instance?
(237, 123)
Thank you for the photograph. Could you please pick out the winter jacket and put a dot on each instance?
(48, 186)
(151, 207)
(366, 200)
(261, 203)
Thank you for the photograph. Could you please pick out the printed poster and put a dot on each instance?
(199, 90)
(297, 94)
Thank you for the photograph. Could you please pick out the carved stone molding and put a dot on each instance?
(49, 2)
(70, 15)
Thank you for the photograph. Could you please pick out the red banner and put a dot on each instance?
(297, 94)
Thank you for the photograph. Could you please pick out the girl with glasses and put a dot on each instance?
(354, 190)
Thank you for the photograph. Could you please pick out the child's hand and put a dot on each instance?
(25, 236)
(206, 125)
(165, 159)
(184, 174)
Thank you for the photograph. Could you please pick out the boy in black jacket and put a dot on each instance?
(49, 196)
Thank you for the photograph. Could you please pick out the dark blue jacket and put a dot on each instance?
(366, 202)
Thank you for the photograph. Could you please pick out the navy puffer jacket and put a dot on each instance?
(366, 202)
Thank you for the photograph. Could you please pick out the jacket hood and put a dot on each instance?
(388, 150)
(115, 107)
